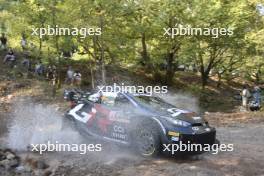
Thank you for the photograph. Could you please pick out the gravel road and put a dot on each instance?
(247, 158)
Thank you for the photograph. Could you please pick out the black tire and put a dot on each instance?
(147, 140)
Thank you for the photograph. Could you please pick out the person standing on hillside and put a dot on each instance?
(52, 76)
(49, 74)
(257, 95)
(23, 43)
(69, 76)
(77, 78)
(245, 96)
(10, 58)
(3, 40)
(39, 69)
(26, 63)
(254, 104)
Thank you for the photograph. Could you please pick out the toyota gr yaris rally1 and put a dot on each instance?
(143, 121)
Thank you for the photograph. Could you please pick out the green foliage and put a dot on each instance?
(132, 33)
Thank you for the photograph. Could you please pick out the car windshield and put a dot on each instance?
(152, 102)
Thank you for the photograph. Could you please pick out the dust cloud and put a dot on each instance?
(182, 101)
(36, 124)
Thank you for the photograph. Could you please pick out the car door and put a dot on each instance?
(84, 115)
(93, 116)
(120, 118)
(107, 115)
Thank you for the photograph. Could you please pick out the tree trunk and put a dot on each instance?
(92, 76)
(204, 76)
(219, 75)
(170, 69)
(144, 53)
(40, 47)
(102, 53)
(205, 71)
(258, 75)
(204, 80)
(42, 20)
(56, 45)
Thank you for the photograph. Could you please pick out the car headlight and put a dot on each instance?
(179, 122)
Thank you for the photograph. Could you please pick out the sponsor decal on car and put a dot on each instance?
(175, 112)
(113, 116)
(83, 116)
(174, 138)
(119, 132)
(197, 118)
(173, 133)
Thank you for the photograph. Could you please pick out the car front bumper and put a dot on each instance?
(203, 139)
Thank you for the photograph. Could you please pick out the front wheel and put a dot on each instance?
(147, 141)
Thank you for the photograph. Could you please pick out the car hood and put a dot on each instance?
(176, 113)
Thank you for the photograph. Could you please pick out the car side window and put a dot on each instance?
(122, 101)
(108, 100)
(96, 98)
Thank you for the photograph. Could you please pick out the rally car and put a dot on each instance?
(142, 121)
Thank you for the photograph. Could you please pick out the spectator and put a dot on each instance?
(23, 43)
(115, 79)
(256, 95)
(49, 74)
(254, 105)
(25, 62)
(9, 54)
(245, 96)
(54, 75)
(77, 78)
(69, 76)
(10, 58)
(3, 40)
(39, 68)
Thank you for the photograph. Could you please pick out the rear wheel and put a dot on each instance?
(147, 140)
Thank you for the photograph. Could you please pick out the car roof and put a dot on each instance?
(114, 94)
